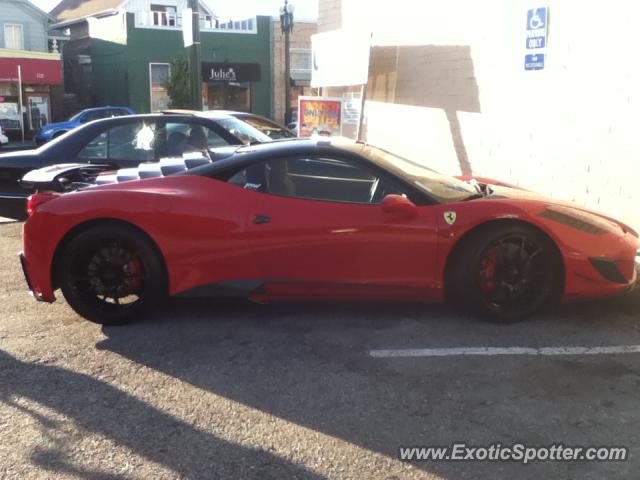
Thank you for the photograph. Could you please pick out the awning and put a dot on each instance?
(36, 71)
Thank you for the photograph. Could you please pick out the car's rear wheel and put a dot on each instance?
(58, 134)
(505, 272)
(110, 274)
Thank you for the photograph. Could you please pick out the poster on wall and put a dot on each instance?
(319, 116)
(351, 108)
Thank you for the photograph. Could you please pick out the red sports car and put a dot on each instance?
(310, 220)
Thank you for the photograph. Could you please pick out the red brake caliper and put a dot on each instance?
(135, 271)
(487, 272)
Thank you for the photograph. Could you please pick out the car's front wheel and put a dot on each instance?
(505, 272)
(110, 274)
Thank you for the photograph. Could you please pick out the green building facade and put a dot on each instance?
(236, 68)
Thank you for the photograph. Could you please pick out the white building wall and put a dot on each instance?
(569, 130)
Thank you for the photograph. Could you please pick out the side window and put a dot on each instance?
(96, 148)
(131, 142)
(176, 138)
(214, 139)
(325, 179)
(95, 115)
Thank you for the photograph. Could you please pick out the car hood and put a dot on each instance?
(560, 207)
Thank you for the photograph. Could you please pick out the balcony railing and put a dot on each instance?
(172, 21)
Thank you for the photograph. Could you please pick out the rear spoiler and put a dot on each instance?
(62, 177)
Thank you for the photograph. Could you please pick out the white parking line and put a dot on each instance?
(490, 351)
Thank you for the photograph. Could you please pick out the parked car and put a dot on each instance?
(53, 130)
(310, 220)
(122, 142)
(3, 138)
(272, 129)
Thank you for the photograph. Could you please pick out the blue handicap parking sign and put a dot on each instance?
(537, 27)
(534, 62)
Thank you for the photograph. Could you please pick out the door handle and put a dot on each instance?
(260, 219)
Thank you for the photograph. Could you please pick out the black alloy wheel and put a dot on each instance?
(507, 272)
(110, 274)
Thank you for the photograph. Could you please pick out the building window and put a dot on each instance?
(164, 15)
(158, 78)
(13, 37)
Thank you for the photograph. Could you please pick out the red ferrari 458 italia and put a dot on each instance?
(312, 220)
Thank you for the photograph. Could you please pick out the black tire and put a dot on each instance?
(57, 134)
(111, 274)
(505, 272)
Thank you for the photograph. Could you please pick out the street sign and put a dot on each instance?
(537, 20)
(187, 27)
(534, 62)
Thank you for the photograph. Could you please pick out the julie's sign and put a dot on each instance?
(222, 75)
(231, 72)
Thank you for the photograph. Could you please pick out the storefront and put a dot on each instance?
(228, 86)
(37, 73)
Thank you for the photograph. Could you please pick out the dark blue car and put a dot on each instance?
(54, 130)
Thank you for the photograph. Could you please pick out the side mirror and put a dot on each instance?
(397, 204)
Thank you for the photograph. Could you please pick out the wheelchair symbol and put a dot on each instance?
(536, 21)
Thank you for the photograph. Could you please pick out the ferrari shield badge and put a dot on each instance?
(450, 217)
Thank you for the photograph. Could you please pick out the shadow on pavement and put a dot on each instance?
(99, 408)
(308, 364)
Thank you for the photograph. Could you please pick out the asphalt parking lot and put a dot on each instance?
(232, 390)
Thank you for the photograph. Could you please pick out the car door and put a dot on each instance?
(317, 229)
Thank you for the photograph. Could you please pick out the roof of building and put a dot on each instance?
(68, 10)
(34, 8)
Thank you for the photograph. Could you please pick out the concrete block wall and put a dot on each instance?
(448, 86)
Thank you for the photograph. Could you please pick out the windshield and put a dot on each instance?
(75, 117)
(441, 187)
(269, 128)
(243, 131)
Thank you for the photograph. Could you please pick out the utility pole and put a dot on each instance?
(286, 23)
(195, 68)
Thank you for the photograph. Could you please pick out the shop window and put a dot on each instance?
(158, 78)
(13, 36)
(229, 96)
(9, 113)
(38, 113)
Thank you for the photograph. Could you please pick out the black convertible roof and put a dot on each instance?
(246, 155)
